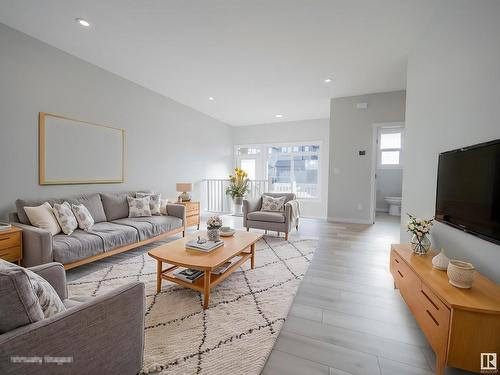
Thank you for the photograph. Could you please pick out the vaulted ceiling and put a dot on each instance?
(256, 58)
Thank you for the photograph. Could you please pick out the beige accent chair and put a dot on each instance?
(253, 217)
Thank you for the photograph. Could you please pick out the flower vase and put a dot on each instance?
(420, 244)
(213, 234)
(237, 206)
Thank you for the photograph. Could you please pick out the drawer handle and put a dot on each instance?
(434, 319)
(5, 239)
(396, 260)
(400, 274)
(430, 300)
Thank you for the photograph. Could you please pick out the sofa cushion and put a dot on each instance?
(115, 235)
(152, 226)
(115, 206)
(21, 203)
(270, 217)
(93, 204)
(78, 245)
(19, 305)
(48, 298)
(83, 216)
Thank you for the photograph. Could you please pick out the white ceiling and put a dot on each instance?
(257, 58)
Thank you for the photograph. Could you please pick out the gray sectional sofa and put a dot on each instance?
(112, 233)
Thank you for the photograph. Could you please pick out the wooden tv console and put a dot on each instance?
(459, 324)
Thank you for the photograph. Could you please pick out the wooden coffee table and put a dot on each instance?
(176, 254)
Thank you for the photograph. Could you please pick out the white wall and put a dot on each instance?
(294, 131)
(351, 131)
(389, 184)
(453, 101)
(167, 142)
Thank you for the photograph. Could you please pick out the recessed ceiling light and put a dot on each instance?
(279, 115)
(83, 22)
(211, 98)
(328, 80)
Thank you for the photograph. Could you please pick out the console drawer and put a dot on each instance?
(406, 281)
(12, 254)
(10, 240)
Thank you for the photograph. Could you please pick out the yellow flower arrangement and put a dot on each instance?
(238, 183)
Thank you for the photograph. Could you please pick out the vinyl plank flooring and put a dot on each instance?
(335, 356)
(306, 312)
(283, 363)
(362, 342)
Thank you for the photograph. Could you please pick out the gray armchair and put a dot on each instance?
(253, 217)
(98, 335)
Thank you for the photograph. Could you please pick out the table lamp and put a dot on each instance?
(185, 188)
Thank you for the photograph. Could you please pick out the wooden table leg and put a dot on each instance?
(206, 289)
(158, 275)
(252, 259)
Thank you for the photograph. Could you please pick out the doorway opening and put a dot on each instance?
(387, 169)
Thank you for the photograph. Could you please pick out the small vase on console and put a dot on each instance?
(420, 244)
(441, 261)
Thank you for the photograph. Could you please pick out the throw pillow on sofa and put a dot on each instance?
(138, 207)
(65, 217)
(83, 216)
(42, 217)
(272, 204)
(163, 206)
(154, 202)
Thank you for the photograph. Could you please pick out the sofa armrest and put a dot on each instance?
(177, 210)
(55, 274)
(37, 245)
(102, 335)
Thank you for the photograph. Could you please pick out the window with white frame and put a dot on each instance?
(390, 147)
(286, 167)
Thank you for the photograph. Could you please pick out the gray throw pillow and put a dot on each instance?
(65, 217)
(138, 207)
(272, 204)
(154, 202)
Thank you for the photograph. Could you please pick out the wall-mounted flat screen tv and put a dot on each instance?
(468, 190)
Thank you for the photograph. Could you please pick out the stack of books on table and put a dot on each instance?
(188, 275)
(223, 267)
(205, 246)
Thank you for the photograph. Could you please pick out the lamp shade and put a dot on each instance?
(184, 187)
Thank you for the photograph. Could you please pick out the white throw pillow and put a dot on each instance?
(138, 207)
(65, 217)
(163, 206)
(42, 217)
(83, 216)
(273, 204)
(154, 202)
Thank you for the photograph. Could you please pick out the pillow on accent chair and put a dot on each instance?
(65, 217)
(272, 204)
(138, 207)
(83, 216)
(42, 217)
(38, 298)
(154, 202)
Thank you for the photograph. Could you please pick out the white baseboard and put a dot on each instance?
(349, 221)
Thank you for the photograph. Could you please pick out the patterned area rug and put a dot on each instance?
(237, 332)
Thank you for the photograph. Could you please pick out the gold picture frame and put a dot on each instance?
(56, 126)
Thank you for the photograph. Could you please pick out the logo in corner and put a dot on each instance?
(489, 363)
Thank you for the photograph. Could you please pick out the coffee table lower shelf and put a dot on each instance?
(208, 281)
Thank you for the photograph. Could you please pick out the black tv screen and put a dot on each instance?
(468, 190)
